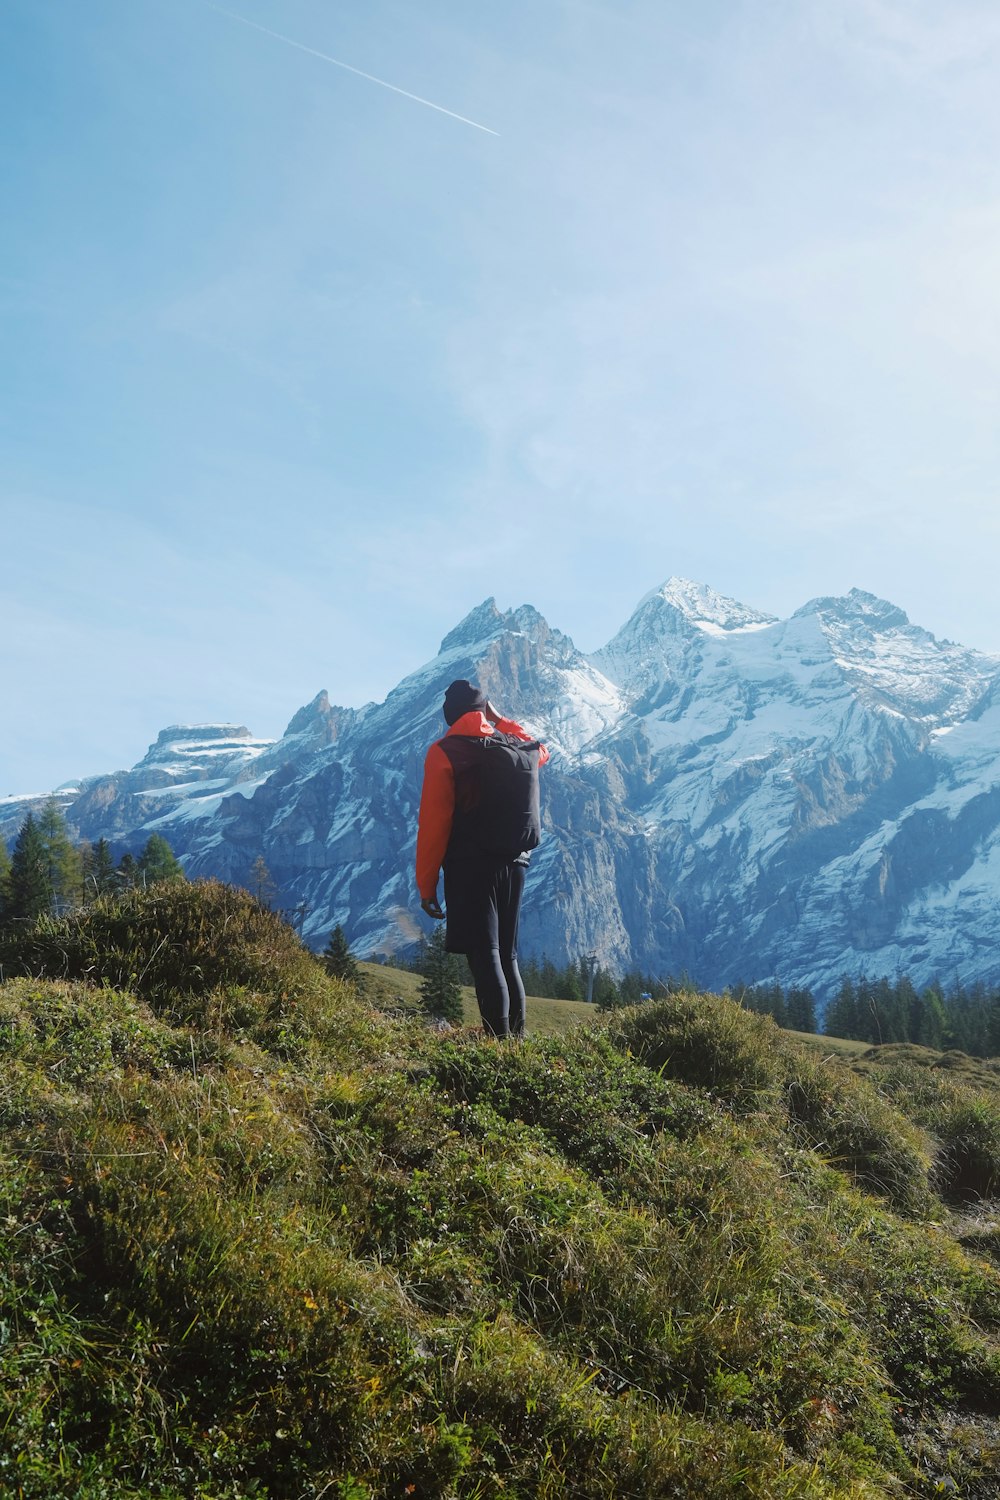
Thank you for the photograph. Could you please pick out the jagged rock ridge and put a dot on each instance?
(730, 794)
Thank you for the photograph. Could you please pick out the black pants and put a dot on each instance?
(483, 901)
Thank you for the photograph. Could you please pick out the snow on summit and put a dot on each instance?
(731, 794)
(899, 665)
(703, 606)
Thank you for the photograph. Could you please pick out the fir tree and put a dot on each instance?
(931, 1021)
(4, 877)
(843, 1014)
(548, 978)
(99, 869)
(125, 875)
(440, 992)
(261, 883)
(992, 1023)
(800, 1010)
(529, 975)
(572, 982)
(63, 861)
(633, 986)
(157, 862)
(29, 887)
(338, 959)
(607, 995)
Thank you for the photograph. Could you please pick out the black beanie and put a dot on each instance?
(462, 698)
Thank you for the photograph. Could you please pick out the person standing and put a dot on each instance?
(479, 818)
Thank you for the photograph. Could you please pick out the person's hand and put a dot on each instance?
(492, 713)
(433, 909)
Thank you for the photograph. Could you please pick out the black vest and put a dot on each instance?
(496, 795)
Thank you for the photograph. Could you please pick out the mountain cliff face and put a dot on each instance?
(731, 794)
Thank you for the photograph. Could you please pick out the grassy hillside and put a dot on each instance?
(261, 1239)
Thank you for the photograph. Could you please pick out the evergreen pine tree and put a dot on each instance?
(338, 959)
(440, 993)
(126, 873)
(774, 1003)
(992, 1025)
(978, 1036)
(4, 877)
(800, 1010)
(933, 1021)
(905, 1003)
(606, 996)
(63, 860)
(843, 1014)
(529, 975)
(631, 986)
(548, 978)
(100, 869)
(29, 887)
(157, 862)
(572, 982)
(261, 883)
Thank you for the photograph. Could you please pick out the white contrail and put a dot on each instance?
(325, 57)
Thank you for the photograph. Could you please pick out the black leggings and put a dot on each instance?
(483, 897)
(499, 990)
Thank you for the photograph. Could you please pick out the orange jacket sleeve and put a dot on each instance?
(437, 808)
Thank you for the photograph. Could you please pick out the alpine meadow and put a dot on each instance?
(263, 1237)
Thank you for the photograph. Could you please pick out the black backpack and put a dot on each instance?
(496, 794)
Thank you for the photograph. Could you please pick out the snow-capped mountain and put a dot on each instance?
(730, 794)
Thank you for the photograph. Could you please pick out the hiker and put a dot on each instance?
(479, 817)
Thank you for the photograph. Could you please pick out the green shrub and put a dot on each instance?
(844, 1119)
(706, 1041)
(164, 942)
(961, 1115)
(201, 954)
(599, 1109)
(80, 1034)
(968, 1161)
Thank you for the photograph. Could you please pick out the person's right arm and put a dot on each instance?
(437, 808)
(510, 726)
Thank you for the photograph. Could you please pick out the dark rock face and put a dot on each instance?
(729, 794)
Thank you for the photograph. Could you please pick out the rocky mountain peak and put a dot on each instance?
(175, 733)
(184, 741)
(701, 605)
(665, 636)
(478, 625)
(859, 609)
(319, 720)
(898, 665)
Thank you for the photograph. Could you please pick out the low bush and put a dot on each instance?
(845, 1119)
(706, 1041)
(170, 940)
(968, 1161)
(597, 1108)
(205, 955)
(962, 1117)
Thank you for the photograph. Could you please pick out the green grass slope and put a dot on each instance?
(259, 1238)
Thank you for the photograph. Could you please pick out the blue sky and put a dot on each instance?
(296, 371)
